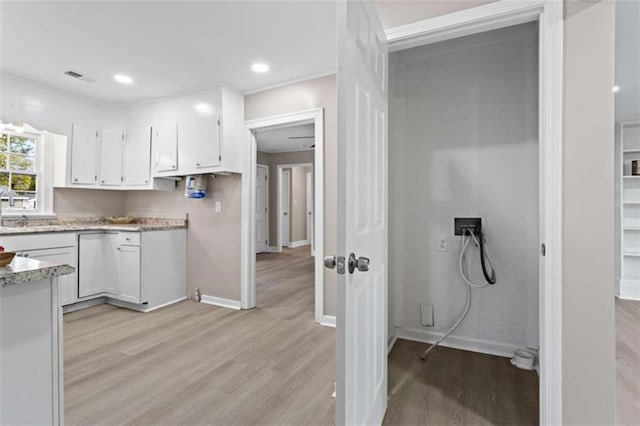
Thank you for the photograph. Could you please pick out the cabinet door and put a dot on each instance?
(67, 284)
(98, 264)
(130, 274)
(137, 156)
(90, 265)
(111, 263)
(111, 157)
(84, 153)
(165, 148)
(204, 136)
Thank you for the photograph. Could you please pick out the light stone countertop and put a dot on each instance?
(23, 270)
(94, 224)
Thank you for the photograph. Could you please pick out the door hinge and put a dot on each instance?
(219, 157)
(95, 177)
(121, 178)
(96, 133)
(265, 242)
(543, 249)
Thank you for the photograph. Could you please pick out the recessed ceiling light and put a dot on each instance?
(124, 79)
(260, 67)
(615, 89)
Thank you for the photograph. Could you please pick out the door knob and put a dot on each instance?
(330, 262)
(361, 263)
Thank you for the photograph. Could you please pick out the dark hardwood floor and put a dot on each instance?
(628, 362)
(455, 387)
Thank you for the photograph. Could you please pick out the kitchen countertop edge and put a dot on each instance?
(23, 270)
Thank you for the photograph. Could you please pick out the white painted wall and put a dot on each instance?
(463, 142)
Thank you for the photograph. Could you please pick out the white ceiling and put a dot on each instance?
(277, 140)
(628, 60)
(394, 13)
(167, 47)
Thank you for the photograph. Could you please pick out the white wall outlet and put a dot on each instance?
(443, 243)
(218, 206)
(426, 315)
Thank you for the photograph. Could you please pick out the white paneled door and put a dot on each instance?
(285, 193)
(262, 208)
(361, 364)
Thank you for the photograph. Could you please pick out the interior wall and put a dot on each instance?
(213, 242)
(464, 143)
(315, 93)
(588, 369)
(273, 160)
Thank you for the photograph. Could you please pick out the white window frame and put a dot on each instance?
(44, 175)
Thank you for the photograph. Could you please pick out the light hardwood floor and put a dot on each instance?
(628, 361)
(193, 364)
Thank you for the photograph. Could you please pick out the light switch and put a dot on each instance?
(218, 206)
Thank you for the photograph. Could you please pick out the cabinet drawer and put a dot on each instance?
(129, 238)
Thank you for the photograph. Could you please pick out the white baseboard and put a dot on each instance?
(295, 244)
(273, 249)
(457, 342)
(83, 304)
(629, 290)
(391, 341)
(219, 301)
(328, 320)
(166, 304)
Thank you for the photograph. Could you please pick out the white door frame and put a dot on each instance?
(247, 231)
(280, 168)
(266, 199)
(281, 241)
(549, 14)
(309, 189)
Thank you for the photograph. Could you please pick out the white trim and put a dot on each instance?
(273, 249)
(280, 167)
(222, 302)
(549, 14)
(391, 342)
(299, 243)
(266, 167)
(328, 321)
(629, 290)
(459, 342)
(166, 304)
(248, 258)
(487, 17)
(84, 304)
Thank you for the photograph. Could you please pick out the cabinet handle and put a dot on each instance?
(75, 179)
(119, 248)
(197, 164)
(102, 181)
(25, 254)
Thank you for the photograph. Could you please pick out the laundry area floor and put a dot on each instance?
(192, 363)
(627, 361)
(455, 387)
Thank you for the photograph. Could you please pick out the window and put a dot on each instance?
(19, 172)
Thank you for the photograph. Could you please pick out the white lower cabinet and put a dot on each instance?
(129, 274)
(67, 284)
(56, 248)
(106, 266)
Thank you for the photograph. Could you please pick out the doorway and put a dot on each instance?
(293, 147)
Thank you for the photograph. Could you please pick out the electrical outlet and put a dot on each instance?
(426, 315)
(443, 243)
(218, 206)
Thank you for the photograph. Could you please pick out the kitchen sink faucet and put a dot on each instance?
(10, 194)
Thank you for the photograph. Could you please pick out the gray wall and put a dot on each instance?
(464, 143)
(588, 324)
(319, 92)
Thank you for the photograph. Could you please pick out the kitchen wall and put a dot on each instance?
(273, 160)
(589, 370)
(463, 143)
(54, 110)
(213, 244)
(315, 93)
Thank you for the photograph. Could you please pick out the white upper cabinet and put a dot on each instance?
(209, 132)
(165, 149)
(111, 157)
(137, 156)
(84, 155)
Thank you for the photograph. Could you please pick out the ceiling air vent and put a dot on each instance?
(79, 76)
